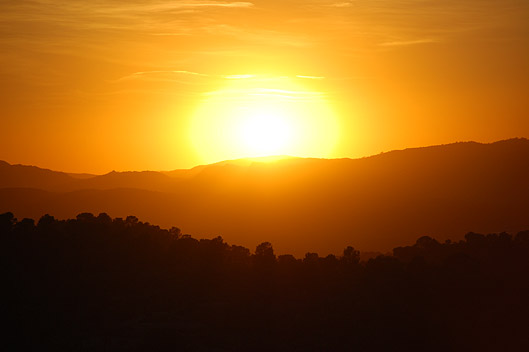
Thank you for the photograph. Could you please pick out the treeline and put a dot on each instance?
(100, 284)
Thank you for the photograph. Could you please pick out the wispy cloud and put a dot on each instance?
(341, 4)
(240, 94)
(239, 76)
(284, 91)
(154, 15)
(173, 71)
(51, 41)
(214, 4)
(409, 42)
(177, 74)
(310, 77)
(160, 75)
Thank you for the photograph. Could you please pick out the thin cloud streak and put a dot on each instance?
(159, 75)
(240, 94)
(257, 78)
(219, 4)
(341, 4)
(310, 77)
(409, 42)
(239, 76)
(176, 71)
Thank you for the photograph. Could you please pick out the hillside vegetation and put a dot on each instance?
(102, 284)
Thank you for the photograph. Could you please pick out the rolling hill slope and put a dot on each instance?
(302, 205)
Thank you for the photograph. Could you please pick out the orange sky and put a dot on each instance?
(91, 86)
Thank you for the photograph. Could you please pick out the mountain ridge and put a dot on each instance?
(250, 160)
(313, 205)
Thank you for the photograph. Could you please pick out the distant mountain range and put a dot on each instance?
(302, 205)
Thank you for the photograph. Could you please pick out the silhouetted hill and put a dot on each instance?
(32, 176)
(245, 162)
(148, 180)
(317, 205)
(21, 176)
(81, 175)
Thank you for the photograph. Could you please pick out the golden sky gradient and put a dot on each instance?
(96, 85)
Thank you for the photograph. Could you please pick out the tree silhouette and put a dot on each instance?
(97, 283)
(351, 256)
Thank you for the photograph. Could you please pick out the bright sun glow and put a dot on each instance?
(249, 118)
(266, 131)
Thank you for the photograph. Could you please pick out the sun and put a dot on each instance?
(251, 118)
(265, 131)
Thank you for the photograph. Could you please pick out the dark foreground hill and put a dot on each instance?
(302, 205)
(103, 284)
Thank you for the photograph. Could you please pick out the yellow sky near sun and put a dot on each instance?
(250, 116)
(92, 86)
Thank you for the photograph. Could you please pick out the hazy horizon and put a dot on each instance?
(264, 159)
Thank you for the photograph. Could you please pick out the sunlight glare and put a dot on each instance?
(265, 132)
(251, 118)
